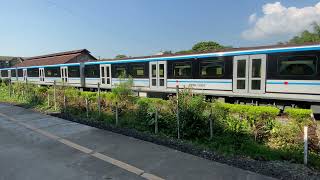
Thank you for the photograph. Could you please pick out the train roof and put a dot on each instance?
(217, 53)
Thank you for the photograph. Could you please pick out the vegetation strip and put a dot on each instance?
(83, 149)
(255, 138)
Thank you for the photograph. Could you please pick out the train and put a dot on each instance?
(287, 75)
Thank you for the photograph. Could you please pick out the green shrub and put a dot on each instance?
(285, 136)
(192, 114)
(257, 119)
(145, 115)
(71, 92)
(236, 126)
(246, 130)
(245, 111)
(123, 90)
(89, 95)
(300, 116)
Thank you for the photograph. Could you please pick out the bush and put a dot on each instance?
(193, 115)
(300, 116)
(257, 119)
(91, 96)
(145, 115)
(123, 90)
(286, 136)
(237, 129)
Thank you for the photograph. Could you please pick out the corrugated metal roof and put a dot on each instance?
(61, 59)
(59, 54)
(50, 59)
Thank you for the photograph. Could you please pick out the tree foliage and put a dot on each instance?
(120, 56)
(206, 46)
(307, 36)
(166, 52)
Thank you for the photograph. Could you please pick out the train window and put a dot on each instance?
(4, 73)
(256, 68)
(92, 71)
(182, 69)
(121, 70)
(13, 73)
(297, 65)
(138, 70)
(20, 73)
(52, 72)
(74, 71)
(241, 68)
(34, 72)
(209, 69)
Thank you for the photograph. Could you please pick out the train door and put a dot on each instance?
(25, 74)
(41, 74)
(64, 74)
(249, 74)
(158, 75)
(105, 75)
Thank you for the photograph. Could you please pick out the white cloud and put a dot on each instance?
(252, 18)
(279, 20)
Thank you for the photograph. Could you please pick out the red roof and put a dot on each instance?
(50, 59)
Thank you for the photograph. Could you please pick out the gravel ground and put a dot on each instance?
(276, 169)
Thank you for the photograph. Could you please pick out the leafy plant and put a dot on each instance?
(300, 116)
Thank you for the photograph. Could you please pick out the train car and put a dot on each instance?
(9, 74)
(66, 74)
(275, 73)
(272, 74)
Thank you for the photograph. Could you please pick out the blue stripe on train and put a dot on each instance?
(296, 83)
(192, 81)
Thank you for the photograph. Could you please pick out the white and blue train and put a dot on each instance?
(272, 74)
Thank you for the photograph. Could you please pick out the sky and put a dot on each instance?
(145, 27)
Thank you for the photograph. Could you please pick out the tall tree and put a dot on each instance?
(307, 36)
(120, 56)
(168, 52)
(206, 46)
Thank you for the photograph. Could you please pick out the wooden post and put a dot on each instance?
(99, 102)
(156, 122)
(178, 116)
(87, 107)
(305, 159)
(117, 114)
(54, 95)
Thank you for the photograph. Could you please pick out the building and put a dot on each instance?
(8, 61)
(75, 56)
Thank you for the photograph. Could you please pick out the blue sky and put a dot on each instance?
(142, 27)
